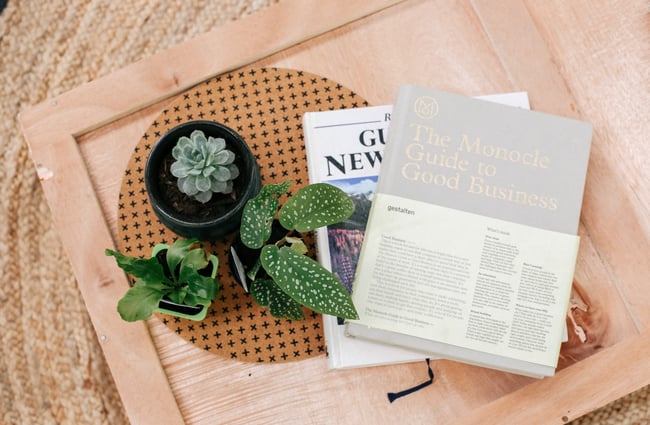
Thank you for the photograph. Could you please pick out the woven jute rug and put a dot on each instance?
(51, 366)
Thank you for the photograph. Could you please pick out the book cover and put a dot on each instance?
(345, 148)
(471, 241)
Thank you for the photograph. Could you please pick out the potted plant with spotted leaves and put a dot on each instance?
(279, 274)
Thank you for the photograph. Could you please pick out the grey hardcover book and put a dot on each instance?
(471, 241)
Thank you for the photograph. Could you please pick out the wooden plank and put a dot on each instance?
(612, 40)
(344, 42)
(50, 129)
(472, 48)
(573, 392)
(155, 78)
(189, 378)
(127, 347)
(525, 56)
(530, 63)
(606, 193)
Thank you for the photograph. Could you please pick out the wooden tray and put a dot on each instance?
(81, 141)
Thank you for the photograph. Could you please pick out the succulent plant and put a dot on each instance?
(203, 166)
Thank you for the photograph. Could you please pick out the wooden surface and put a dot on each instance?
(587, 59)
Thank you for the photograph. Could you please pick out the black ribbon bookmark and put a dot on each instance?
(394, 396)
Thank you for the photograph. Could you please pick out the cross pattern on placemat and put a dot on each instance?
(265, 106)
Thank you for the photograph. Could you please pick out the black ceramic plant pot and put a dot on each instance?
(186, 216)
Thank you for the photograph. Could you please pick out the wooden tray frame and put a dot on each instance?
(156, 373)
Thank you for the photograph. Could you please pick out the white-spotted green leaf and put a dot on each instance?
(259, 213)
(314, 206)
(307, 282)
(266, 293)
(139, 302)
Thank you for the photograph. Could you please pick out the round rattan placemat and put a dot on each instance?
(265, 106)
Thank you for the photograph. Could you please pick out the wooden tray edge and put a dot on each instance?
(66, 115)
(571, 393)
(50, 130)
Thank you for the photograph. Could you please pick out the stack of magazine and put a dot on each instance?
(463, 241)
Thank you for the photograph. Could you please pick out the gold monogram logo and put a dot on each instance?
(426, 107)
